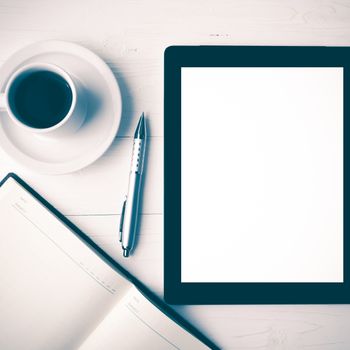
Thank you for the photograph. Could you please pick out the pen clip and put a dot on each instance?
(122, 221)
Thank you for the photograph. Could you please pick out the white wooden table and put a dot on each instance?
(131, 37)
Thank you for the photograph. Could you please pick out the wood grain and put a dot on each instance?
(131, 37)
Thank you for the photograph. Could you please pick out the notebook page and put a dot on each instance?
(135, 322)
(53, 289)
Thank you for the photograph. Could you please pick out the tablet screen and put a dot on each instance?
(261, 174)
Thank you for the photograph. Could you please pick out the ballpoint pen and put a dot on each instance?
(128, 219)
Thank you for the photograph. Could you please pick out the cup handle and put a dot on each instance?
(2, 101)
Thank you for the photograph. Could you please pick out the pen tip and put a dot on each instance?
(125, 253)
(140, 131)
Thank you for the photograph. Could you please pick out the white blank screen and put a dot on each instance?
(262, 174)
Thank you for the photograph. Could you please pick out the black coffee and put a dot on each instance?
(40, 99)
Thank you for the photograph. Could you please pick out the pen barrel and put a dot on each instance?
(131, 211)
(138, 153)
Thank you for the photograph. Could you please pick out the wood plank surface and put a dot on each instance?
(131, 37)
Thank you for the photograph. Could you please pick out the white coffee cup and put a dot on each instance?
(69, 123)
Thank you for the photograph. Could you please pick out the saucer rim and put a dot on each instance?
(48, 46)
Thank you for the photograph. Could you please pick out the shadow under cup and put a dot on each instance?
(40, 98)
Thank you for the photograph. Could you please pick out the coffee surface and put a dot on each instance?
(41, 99)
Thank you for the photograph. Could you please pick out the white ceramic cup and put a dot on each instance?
(76, 113)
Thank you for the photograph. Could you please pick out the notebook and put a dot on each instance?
(58, 292)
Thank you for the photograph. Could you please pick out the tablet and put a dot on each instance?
(255, 162)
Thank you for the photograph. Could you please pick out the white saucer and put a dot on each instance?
(68, 154)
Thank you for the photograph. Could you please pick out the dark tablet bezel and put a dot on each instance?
(177, 292)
